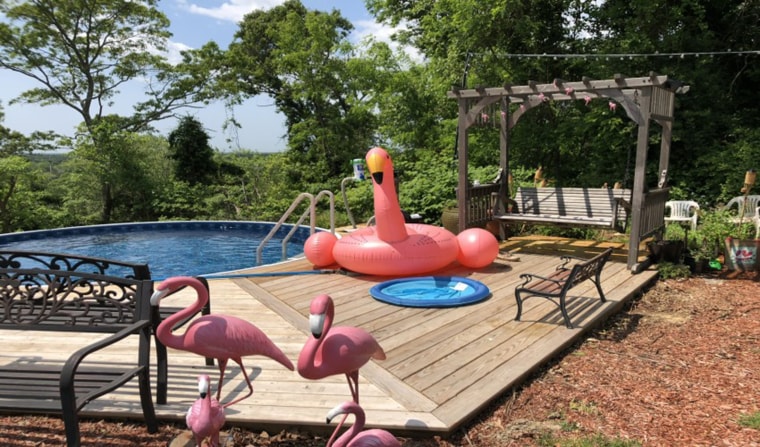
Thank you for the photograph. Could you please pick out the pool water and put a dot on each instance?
(169, 248)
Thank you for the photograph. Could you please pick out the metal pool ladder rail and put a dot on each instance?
(311, 212)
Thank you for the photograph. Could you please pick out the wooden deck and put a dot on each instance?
(443, 366)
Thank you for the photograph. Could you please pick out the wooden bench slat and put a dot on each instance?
(596, 207)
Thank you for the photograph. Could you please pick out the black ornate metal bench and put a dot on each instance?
(570, 207)
(13, 259)
(555, 286)
(71, 302)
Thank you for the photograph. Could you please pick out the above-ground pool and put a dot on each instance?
(169, 248)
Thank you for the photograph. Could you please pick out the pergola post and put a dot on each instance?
(639, 181)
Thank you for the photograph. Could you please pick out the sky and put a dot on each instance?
(193, 23)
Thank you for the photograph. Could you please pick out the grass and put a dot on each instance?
(548, 439)
(589, 441)
(751, 420)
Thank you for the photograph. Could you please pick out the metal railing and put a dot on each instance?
(311, 211)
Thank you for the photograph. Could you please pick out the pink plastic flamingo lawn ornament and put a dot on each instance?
(335, 350)
(354, 436)
(206, 417)
(222, 337)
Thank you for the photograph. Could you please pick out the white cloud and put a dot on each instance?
(173, 50)
(371, 30)
(233, 10)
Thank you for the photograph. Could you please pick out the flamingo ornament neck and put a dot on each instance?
(389, 220)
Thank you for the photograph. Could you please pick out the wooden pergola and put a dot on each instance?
(644, 99)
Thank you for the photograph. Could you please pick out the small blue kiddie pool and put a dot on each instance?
(430, 291)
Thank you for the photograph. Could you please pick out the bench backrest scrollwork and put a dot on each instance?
(76, 301)
(585, 270)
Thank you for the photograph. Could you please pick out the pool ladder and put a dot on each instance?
(311, 212)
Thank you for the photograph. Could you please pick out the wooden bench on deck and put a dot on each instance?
(571, 207)
(80, 263)
(555, 286)
(70, 302)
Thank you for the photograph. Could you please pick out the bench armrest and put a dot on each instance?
(72, 363)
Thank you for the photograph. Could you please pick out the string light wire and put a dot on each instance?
(630, 55)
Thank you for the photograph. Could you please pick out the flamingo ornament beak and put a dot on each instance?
(157, 296)
(316, 324)
(334, 412)
(203, 386)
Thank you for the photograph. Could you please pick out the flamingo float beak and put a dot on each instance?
(157, 295)
(375, 165)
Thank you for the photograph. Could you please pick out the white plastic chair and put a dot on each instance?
(750, 209)
(682, 211)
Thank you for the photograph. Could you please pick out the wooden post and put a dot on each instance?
(639, 180)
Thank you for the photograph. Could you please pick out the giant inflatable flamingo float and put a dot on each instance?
(222, 337)
(335, 350)
(206, 417)
(354, 436)
(392, 247)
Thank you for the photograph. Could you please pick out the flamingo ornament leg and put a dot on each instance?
(353, 384)
(239, 361)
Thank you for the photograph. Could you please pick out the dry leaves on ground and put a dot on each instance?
(678, 367)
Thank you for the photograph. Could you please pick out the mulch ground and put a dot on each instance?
(679, 367)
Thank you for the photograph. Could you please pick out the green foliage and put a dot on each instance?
(598, 440)
(118, 179)
(669, 270)
(79, 54)
(304, 61)
(192, 155)
(750, 420)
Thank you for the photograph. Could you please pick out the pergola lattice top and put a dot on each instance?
(625, 91)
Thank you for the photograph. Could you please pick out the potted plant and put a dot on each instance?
(742, 246)
(670, 247)
(450, 216)
(704, 244)
(717, 234)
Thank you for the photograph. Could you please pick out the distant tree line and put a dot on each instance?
(340, 98)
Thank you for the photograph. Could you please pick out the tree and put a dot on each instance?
(17, 177)
(303, 60)
(135, 171)
(715, 120)
(82, 53)
(192, 155)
